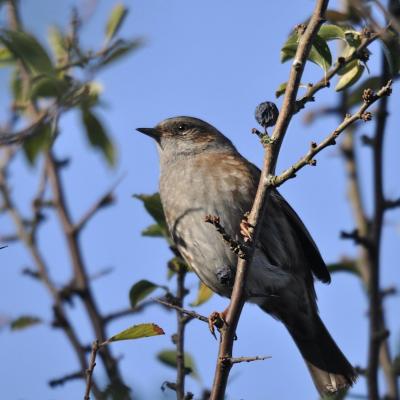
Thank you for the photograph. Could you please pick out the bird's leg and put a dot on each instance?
(217, 319)
(246, 229)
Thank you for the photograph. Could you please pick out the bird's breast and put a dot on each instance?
(190, 190)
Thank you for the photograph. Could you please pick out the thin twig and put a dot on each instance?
(340, 63)
(66, 378)
(89, 371)
(190, 313)
(331, 138)
(237, 360)
(105, 200)
(180, 336)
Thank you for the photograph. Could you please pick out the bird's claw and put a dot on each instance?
(216, 319)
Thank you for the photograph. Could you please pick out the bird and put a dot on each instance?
(202, 173)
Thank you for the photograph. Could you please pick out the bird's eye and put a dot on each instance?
(182, 128)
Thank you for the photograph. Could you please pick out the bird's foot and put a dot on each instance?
(246, 229)
(217, 320)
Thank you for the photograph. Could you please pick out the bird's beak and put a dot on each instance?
(152, 132)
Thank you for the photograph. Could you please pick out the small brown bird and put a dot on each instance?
(202, 174)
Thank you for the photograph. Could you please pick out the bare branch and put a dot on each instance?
(237, 360)
(330, 140)
(89, 371)
(260, 201)
(66, 378)
(105, 200)
(340, 63)
(190, 313)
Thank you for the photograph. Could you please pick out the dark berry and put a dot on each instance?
(266, 114)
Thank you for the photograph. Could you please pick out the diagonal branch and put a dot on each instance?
(330, 140)
(260, 203)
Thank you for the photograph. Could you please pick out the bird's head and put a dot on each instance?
(185, 136)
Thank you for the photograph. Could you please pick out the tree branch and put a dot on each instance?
(331, 138)
(260, 202)
(190, 313)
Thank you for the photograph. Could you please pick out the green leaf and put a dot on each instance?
(39, 141)
(26, 48)
(281, 89)
(319, 53)
(344, 266)
(204, 294)
(137, 332)
(350, 77)
(16, 85)
(331, 32)
(48, 86)
(97, 135)
(6, 57)
(115, 21)
(120, 50)
(57, 42)
(154, 230)
(152, 204)
(168, 357)
(23, 322)
(140, 290)
(177, 263)
(355, 97)
(353, 38)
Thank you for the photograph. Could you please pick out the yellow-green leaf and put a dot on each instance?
(331, 32)
(23, 322)
(153, 230)
(350, 77)
(344, 266)
(48, 86)
(115, 20)
(152, 204)
(37, 142)
(120, 50)
(97, 135)
(319, 53)
(204, 294)
(141, 290)
(168, 357)
(137, 332)
(6, 57)
(281, 89)
(26, 48)
(57, 42)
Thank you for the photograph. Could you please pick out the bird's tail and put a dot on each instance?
(329, 368)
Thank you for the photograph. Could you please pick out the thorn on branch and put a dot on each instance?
(190, 313)
(356, 237)
(389, 291)
(238, 248)
(391, 204)
(66, 378)
(31, 273)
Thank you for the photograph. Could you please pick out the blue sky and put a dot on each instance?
(215, 60)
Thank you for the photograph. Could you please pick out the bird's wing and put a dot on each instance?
(286, 242)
